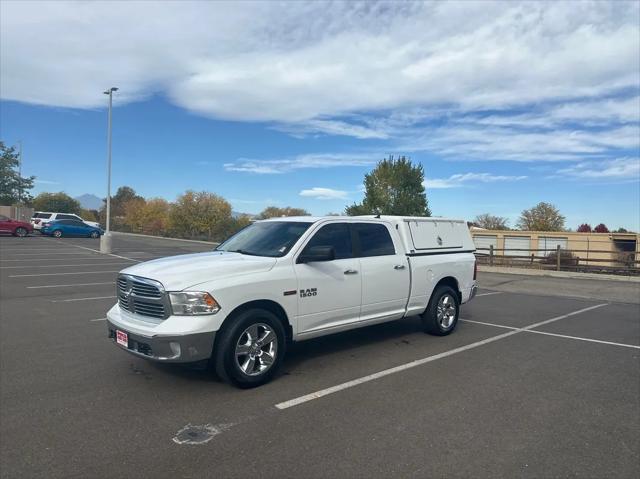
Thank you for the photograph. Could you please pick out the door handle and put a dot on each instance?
(351, 271)
(399, 266)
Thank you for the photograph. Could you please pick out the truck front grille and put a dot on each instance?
(142, 296)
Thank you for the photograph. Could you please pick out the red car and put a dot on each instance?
(15, 227)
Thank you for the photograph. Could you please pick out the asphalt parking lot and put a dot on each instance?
(535, 382)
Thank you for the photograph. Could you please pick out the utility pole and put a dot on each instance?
(105, 240)
(20, 193)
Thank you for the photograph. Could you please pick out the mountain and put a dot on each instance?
(89, 201)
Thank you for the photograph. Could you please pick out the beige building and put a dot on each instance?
(594, 249)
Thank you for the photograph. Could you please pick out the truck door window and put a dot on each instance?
(374, 240)
(336, 235)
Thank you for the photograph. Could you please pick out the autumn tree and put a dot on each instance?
(13, 187)
(491, 222)
(542, 217)
(56, 202)
(275, 212)
(601, 228)
(584, 228)
(89, 215)
(394, 187)
(123, 195)
(201, 214)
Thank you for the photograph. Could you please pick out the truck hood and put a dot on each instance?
(179, 272)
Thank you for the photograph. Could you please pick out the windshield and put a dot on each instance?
(271, 238)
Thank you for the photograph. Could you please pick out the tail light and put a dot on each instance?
(36, 222)
(475, 270)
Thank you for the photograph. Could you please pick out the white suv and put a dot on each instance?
(41, 218)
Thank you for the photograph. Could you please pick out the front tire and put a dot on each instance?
(21, 232)
(57, 234)
(94, 234)
(441, 316)
(250, 350)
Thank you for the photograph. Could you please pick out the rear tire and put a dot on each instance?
(441, 316)
(21, 232)
(57, 234)
(250, 350)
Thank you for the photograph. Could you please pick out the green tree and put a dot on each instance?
(394, 187)
(542, 217)
(201, 214)
(275, 212)
(57, 202)
(13, 187)
(491, 222)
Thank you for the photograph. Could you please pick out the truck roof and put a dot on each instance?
(314, 219)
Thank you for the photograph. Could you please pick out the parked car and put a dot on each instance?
(291, 279)
(14, 227)
(62, 228)
(41, 218)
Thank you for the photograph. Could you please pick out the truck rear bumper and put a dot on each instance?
(188, 348)
(469, 294)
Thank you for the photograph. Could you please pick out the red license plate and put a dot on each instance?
(122, 338)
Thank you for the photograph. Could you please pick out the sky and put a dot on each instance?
(505, 104)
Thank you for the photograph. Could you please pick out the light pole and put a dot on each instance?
(20, 173)
(105, 240)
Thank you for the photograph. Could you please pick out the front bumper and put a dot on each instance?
(186, 348)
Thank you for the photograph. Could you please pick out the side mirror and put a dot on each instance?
(317, 253)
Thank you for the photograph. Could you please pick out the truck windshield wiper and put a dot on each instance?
(243, 251)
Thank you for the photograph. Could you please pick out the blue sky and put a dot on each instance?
(505, 104)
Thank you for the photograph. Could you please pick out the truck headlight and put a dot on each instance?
(193, 303)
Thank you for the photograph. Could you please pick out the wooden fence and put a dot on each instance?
(561, 259)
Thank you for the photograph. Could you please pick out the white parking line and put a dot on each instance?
(488, 294)
(81, 299)
(110, 254)
(80, 257)
(589, 340)
(61, 265)
(44, 254)
(58, 274)
(30, 250)
(349, 384)
(99, 319)
(69, 285)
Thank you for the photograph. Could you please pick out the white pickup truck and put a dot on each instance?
(291, 279)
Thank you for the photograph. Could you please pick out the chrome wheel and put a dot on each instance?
(57, 234)
(94, 234)
(446, 311)
(256, 349)
(21, 232)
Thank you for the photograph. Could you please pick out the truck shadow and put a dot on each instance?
(401, 332)
(398, 331)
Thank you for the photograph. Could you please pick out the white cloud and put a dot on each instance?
(332, 127)
(312, 61)
(45, 182)
(324, 194)
(460, 179)
(483, 142)
(621, 168)
(324, 160)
